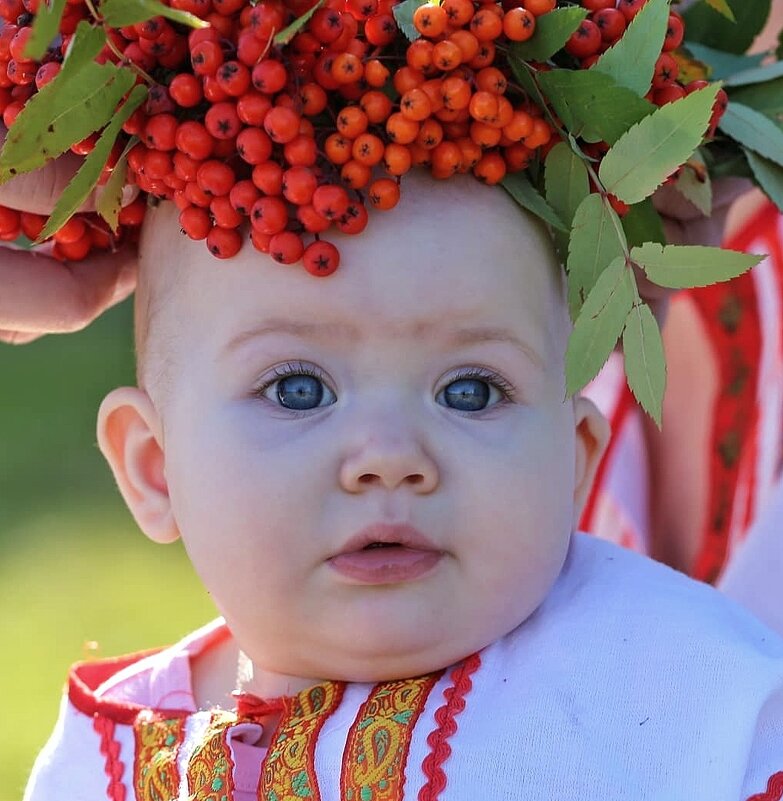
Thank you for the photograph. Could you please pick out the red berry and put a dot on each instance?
(160, 132)
(215, 178)
(598, 5)
(224, 214)
(233, 77)
(286, 247)
(185, 90)
(269, 215)
(194, 140)
(675, 32)
(254, 145)
(243, 195)
(10, 222)
(195, 222)
(224, 242)
(299, 183)
(326, 25)
(270, 76)
(630, 8)
(331, 201)
(585, 41)
(354, 221)
(252, 107)
(222, 120)
(206, 57)
(321, 258)
(611, 23)
(282, 124)
(268, 177)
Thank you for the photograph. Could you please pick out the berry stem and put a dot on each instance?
(135, 67)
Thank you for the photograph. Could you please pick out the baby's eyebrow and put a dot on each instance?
(417, 330)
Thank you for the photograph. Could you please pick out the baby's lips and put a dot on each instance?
(401, 534)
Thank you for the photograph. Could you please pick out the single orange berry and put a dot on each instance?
(432, 88)
(351, 121)
(467, 43)
(446, 159)
(491, 79)
(484, 57)
(401, 130)
(484, 107)
(367, 149)
(455, 92)
(486, 25)
(420, 156)
(376, 105)
(458, 12)
(355, 175)
(471, 153)
(430, 134)
(540, 134)
(415, 105)
(376, 73)
(396, 159)
(338, 148)
(517, 157)
(484, 135)
(491, 168)
(430, 20)
(407, 78)
(347, 68)
(539, 7)
(384, 193)
(418, 56)
(520, 126)
(446, 55)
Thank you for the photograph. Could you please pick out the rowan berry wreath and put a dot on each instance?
(289, 118)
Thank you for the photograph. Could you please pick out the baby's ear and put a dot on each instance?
(592, 436)
(130, 437)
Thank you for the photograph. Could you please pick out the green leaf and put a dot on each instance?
(756, 75)
(769, 176)
(524, 73)
(722, 7)
(766, 98)
(645, 363)
(643, 224)
(525, 194)
(686, 266)
(288, 33)
(597, 239)
(553, 30)
(722, 64)
(45, 27)
(118, 13)
(753, 130)
(631, 62)
(705, 26)
(599, 325)
(694, 184)
(87, 177)
(62, 113)
(109, 200)
(403, 14)
(591, 105)
(85, 45)
(566, 185)
(654, 148)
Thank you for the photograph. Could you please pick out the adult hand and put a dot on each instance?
(40, 295)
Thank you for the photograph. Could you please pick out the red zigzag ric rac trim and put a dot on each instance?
(110, 749)
(774, 790)
(445, 717)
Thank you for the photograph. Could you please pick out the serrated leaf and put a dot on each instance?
(403, 15)
(645, 362)
(53, 120)
(526, 195)
(88, 174)
(766, 98)
(45, 27)
(753, 130)
(643, 224)
(597, 239)
(85, 45)
(592, 105)
(687, 266)
(553, 30)
(705, 26)
(599, 325)
(769, 176)
(109, 200)
(288, 33)
(654, 148)
(566, 185)
(722, 7)
(119, 13)
(631, 62)
(694, 184)
(524, 75)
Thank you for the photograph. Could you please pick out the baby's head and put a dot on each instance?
(376, 473)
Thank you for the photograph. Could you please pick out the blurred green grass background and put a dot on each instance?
(77, 578)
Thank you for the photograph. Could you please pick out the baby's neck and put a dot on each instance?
(220, 672)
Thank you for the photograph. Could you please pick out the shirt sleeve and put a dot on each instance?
(764, 776)
(70, 767)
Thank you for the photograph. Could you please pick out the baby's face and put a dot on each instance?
(375, 473)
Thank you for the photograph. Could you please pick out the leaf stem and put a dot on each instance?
(121, 56)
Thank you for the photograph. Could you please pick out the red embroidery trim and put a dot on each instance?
(113, 765)
(445, 717)
(774, 790)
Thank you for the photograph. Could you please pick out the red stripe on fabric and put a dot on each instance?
(621, 411)
(445, 717)
(774, 791)
(113, 765)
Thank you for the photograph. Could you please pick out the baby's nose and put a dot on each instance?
(390, 461)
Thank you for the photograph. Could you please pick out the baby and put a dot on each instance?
(376, 476)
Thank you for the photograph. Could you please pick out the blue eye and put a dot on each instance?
(298, 388)
(474, 393)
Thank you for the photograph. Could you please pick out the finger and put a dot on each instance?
(40, 295)
(39, 190)
(17, 338)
